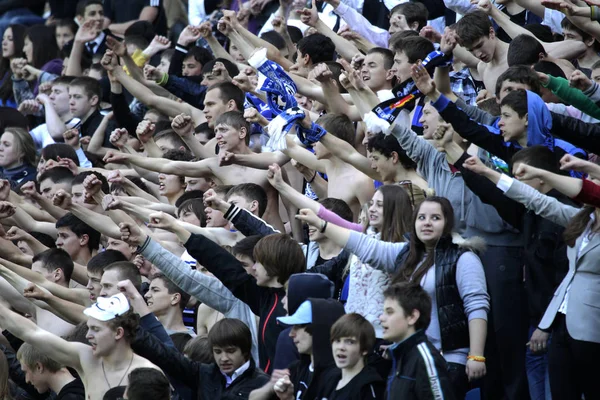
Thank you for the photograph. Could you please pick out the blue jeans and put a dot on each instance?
(22, 16)
(537, 373)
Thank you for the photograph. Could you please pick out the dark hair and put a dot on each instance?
(596, 65)
(396, 213)
(524, 50)
(136, 40)
(231, 332)
(415, 48)
(44, 239)
(245, 247)
(148, 384)
(200, 54)
(550, 68)
(178, 155)
(170, 135)
(517, 101)
(192, 194)
(472, 27)
(78, 180)
(53, 259)
(126, 270)
(198, 349)
(275, 39)
(180, 340)
(339, 207)
(339, 125)
(11, 118)
(55, 150)
(115, 393)
(82, 5)
(386, 54)
(68, 23)
(542, 32)
(396, 40)
(129, 321)
(57, 175)
(142, 28)
(195, 206)
(318, 47)
(236, 120)
(6, 89)
(413, 11)
(280, 255)
(172, 289)
(411, 296)
(295, 33)
(567, 24)
(251, 192)
(103, 259)
(228, 91)
(519, 74)
(90, 86)
(336, 70)
(80, 228)
(354, 325)
(43, 44)
(539, 157)
(388, 144)
(415, 267)
(231, 67)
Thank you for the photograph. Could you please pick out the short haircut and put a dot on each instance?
(136, 180)
(236, 120)
(91, 87)
(80, 228)
(251, 192)
(231, 67)
(178, 155)
(413, 11)
(221, 190)
(57, 175)
(172, 289)
(568, 25)
(100, 261)
(78, 180)
(539, 157)
(200, 54)
(411, 296)
(550, 68)
(318, 47)
(228, 91)
(53, 259)
(68, 23)
(519, 74)
(395, 41)
(354, 325)
(386, 54)
(472, 27)
(30, 356)
(195, 206)
(415, 48)
(517, 101)
(295, 33)
(275, 39)
(339, 125)
(339, 207)
(388, 144)
(148, 384)
(81, 6)
(192, 194)
(231, 332)
(596, 65)
(64, 80)
(140, 28)
(170, 135)
(55, 150)
(542, 32)
(245, 247)
(198, 349)
(281, 256)
(524, 50)
(44, 239)
(129, 321)
(126, 270)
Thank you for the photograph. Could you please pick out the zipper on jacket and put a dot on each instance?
(265, 327)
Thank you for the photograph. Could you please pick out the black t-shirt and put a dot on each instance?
(303, 379)
(72, 391)
(114, 10)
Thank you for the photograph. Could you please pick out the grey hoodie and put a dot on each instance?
(472, 216)
(206, 289)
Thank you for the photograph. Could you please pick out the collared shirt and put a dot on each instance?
(94, 45)
(229, 379)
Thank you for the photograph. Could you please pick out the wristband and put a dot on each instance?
(143, 246)
(313, 178)
(163, 81)
(476, 358)
(323, 227)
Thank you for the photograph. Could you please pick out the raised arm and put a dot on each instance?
(162, 165)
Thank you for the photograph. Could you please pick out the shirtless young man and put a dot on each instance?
(232, 134)
(102, 365)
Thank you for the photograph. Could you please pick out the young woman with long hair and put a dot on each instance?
(17, 156)
(12, 47)
(450, 273)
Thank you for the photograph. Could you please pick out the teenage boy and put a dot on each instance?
(84, 103)
(352, 339)
(147, 384)
(53, 180)
(232, 133)
(55, 265)
(111, 327)
(46, 374)
(418, 370)
(77, 238)
(167, 301)
(91, 10)
(311, 325)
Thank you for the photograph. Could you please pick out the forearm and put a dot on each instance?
(565, 184)
(218, 50)
(70, 312)
(56, 127)
(304, 157)
(345, 48)
(319, 185)
(477, 336)
(27, 223)
(74, 64)
(97, 140)
(261, 160)
(296, 198)
(99, 222)
(47, 205)
(344, 151)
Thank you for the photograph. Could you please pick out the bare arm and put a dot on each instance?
(29, 224)
(303, 156)
(181, 168)
(344, 151)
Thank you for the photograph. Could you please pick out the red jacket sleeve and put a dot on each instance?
(590, 193)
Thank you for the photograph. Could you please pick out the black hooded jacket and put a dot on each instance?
(324, 315)
(367, 385)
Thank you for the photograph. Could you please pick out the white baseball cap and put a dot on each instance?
(107, 308)
(302, 316)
